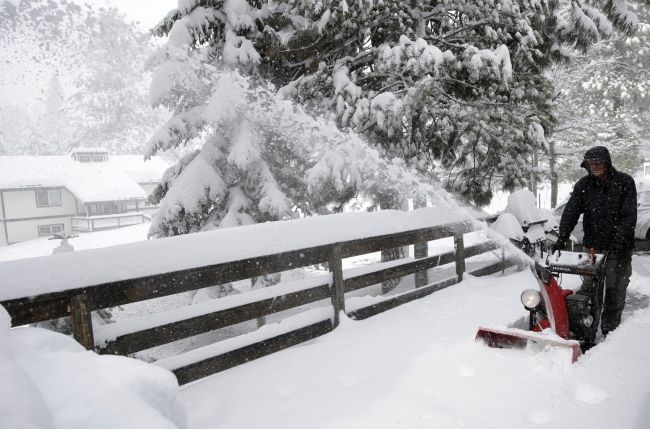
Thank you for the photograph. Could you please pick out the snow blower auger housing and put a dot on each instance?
(557, 317)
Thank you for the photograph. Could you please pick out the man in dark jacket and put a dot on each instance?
(607, 199)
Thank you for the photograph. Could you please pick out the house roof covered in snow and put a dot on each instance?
(111, 180)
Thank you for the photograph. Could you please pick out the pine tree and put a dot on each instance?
(456, 87)
(602, 98)
(53, 126)
(110, 107)
(260, 158)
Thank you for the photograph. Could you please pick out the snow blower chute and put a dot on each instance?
(557, 317)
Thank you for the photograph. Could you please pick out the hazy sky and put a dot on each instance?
(147, 12)
(23, 82)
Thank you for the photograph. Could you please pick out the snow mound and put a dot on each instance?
(49, 381)
(522, 204)
(508, 226)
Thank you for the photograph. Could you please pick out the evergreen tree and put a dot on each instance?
(456, 87)
(53, 126)
(258, 157)
(99, 59)
(602, 98)
(110, 107)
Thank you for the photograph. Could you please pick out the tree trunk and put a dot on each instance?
(551, 166)
(264, 281)
(532, 185)
(421, 250)
(390, 202)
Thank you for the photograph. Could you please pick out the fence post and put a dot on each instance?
(337, 290)
(421, 250)
(82, 325)
(459, 249)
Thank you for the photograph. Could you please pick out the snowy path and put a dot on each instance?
(418, 366)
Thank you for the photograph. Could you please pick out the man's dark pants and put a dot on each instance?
(618, 269)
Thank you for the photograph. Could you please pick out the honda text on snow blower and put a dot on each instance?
(557, 317)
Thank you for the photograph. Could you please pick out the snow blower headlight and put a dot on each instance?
(531, 299)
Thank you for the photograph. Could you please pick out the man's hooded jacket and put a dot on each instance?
(609, 206)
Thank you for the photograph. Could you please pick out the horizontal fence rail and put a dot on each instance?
(178, 324)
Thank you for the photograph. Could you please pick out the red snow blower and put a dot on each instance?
(557, 317)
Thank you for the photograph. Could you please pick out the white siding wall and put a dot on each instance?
(20, 208)
(21, 204)
(28, 229)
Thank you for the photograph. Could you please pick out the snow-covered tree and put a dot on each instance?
(457, 87)
(258, 157)
(99, 59)
(603, 97)
(53, 127)
(110, 107)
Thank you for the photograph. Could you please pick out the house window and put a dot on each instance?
(50, 229)
(647, 171)
(90, 156)
(48, 197)
(106, 208)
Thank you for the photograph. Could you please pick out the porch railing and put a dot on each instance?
(94, 223)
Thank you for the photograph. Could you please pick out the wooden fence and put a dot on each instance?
(78, 303)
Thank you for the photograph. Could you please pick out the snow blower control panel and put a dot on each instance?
(581, 263)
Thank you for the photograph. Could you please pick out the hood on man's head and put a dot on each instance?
(597, 154)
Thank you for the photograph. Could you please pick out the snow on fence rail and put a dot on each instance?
(175, 325)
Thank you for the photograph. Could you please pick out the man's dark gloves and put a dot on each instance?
(560, 244)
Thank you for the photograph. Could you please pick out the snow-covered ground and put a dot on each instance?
(416, 366)
(92, 240)
(49, 381)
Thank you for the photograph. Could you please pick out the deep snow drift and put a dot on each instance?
(50, 381)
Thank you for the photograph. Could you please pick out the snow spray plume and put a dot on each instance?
(480, 225)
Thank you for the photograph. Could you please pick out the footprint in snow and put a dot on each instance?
(589, 394)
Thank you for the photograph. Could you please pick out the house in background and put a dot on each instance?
(85, 191)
